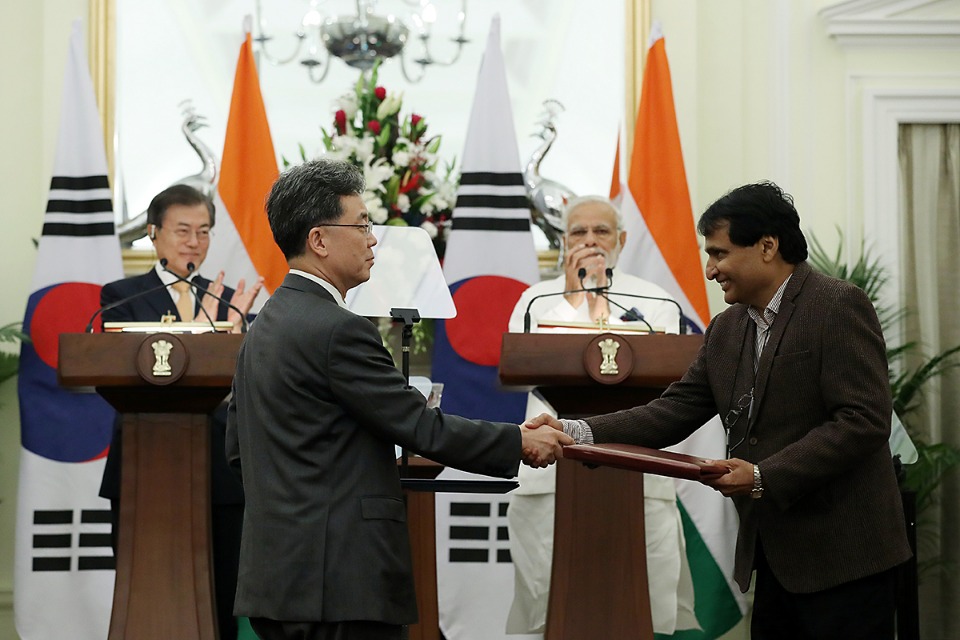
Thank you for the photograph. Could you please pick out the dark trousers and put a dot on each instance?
(352, 630)
(863, 609)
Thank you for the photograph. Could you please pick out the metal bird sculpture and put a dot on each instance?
(205, 181)
(548, 196)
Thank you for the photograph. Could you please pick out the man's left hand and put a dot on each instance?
(243, 299)
(736, 483)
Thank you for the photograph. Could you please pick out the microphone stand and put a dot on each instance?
(190, 269)
(408, 317)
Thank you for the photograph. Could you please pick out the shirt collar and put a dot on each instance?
(166, 277)
(323, 283)
(765, 320)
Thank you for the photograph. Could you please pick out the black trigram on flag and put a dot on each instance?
(60, 543)
(79, 206)
(478, 532)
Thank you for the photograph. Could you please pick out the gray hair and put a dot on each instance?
(306, 196)
(581, 200)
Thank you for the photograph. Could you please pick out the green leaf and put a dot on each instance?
(397, 222)
(434, 145)
(384, 136)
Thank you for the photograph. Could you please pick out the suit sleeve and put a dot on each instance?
(683, 408)
(372, 390)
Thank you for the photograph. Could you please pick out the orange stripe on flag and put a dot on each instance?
(249, 169)
(615, 178)
(658, 181)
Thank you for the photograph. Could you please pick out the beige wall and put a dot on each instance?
(32, 57)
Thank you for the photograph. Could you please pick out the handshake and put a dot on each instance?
(541, 447)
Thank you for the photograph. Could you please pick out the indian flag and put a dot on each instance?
(244, 246)
(662, 247)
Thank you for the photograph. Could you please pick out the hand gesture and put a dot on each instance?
(542, 447)
(210, 304)
(243, 299)
(543, 419)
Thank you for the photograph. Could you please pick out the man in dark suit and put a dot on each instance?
(797, 368)
(316, 410)
(179, 222)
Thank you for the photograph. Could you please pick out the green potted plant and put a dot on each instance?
(935, 459)
(10, 335)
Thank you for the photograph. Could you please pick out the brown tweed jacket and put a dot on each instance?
(831, 511)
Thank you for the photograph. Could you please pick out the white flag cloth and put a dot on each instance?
(63, 567)
(490, 260)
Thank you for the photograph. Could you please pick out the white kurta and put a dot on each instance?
(530, 516)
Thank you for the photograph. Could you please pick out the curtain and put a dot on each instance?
(930, 237)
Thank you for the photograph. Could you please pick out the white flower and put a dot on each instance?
(347, 102)
(403, 202)
(364, 149)
(390, 105)
(401, 158)
(376, 173)
(428, 207)
(378, 213)
(430, 228)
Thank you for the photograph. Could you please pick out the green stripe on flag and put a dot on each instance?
(715, 605)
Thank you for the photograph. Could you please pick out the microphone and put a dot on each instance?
(122, 301)
(634, 295)
(201, 290)
(582, 273)
(631, 314)
(526, 314)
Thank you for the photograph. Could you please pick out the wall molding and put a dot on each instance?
(912, 23)
(887, 103)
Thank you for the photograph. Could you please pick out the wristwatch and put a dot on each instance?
(757, 490)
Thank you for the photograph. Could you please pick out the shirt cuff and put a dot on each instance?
(579, 430)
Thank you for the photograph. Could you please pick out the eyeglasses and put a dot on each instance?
(745, 402)
(367, 227)
(184, 233)
(579, 233)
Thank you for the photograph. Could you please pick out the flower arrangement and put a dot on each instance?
(404, 185)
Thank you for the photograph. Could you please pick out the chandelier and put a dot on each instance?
(363, 37)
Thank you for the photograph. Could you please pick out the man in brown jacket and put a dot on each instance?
(797, 368)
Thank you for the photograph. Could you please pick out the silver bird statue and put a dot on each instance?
(548, 196)
(205, 181)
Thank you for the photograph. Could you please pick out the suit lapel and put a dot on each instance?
(160, 301)
(787, 307)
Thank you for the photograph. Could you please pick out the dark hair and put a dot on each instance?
(181, 194)
(754, 211)
(307, 195)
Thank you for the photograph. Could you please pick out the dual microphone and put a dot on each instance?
(201, 291)
(631, 314)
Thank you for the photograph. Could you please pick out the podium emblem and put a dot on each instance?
(162, 358)
(608, 351)
(161, 354)
(608, 359)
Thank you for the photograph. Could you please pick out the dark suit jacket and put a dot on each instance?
(152, 306)
(317, 407)
(225, 488)
(831, 510)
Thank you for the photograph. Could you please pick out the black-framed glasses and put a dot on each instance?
(744, 403)
(367, 227)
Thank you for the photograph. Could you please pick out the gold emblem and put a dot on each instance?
(161, 353)
(608, 349)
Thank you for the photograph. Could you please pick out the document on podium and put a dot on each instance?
(405, 274)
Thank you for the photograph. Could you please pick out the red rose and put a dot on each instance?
(380, 92)
(374, 126)
(415, 119)
(411, 181)
(340, 120)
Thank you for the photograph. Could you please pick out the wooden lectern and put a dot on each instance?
(165, 386)
(599, 580)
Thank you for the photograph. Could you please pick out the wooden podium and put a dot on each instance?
(599, 580)
(165, 386)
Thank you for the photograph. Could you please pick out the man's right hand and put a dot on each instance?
(544, 419)
(542, 447)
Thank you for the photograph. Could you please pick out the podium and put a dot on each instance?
(164, 385)
(599, 580)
